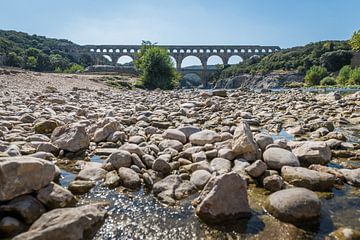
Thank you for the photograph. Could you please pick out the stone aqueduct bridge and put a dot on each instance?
(180, 52)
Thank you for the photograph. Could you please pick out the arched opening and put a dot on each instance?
(191, 62)
(270, 50)
(256, 50)
(98, 50)
(201, 51)
(236, 51)
(222, 50)
(117, 50)
(208, 51)
(190, 80)
(214, 60)
(182, 51)
(254, 57)
(106, 59)
(188, 51)
(228, 50)
(175, 51)
(242, 50)
(92, 50)
(173, 61)
(125, 50)
(132, 50)
(214, 51)
(110, 50)
(104, 50)
(125, 60)
(263, 51)
(195, 51)
(249, 51)
(235, 59)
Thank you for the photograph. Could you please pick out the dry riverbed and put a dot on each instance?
(82, 160)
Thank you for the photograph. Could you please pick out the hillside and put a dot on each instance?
(331, 54)
(38, 53)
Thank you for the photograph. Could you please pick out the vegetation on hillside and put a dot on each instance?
(40, 53)
(329, 54)
(355, 41)
(156, 68)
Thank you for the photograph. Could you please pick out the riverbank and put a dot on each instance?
(172, 164)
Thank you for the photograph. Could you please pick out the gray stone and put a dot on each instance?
(313, 153)
(199, 178)
(55, 196)
(223, 199)
(70, 138)
(263, 140)
(243, 142)
(273, 183)
(129, 178)
(204, 137)
(256, 169)
(175, 134)
(81, 186)
(119, 159)
(276, 158)
(160, 165)
(294, 205)
(220, 165)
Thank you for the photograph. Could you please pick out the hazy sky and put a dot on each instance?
(271, 22)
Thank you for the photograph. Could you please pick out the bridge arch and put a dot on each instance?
(190, 80)
(173, 61)
(235, 59)
(214, 60)
(191, 60)
(107, 57)
(124, 59)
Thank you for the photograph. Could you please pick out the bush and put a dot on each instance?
(328, 81)
(355, 77)
(314, 75)
(334, 61)
(344, 75)
(13, 60)
(74, 68)
(156, 69)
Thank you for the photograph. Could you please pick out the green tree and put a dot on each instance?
(344, 75)
(13, 60)
(355, 77)
(155, 67)
(314, 75)
(30, 63)
(355, 41)
(74, 68)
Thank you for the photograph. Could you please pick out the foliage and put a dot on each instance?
(74, 68)
(328, 81)
(314, 75)
(39, 53)
(296, 58)
(355, 77)
(334, 61)
(155, 67)
(355, 41)
(344, 75)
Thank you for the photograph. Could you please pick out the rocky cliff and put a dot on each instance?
(267, 81)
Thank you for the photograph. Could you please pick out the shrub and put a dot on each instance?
(156, 69)
(355, 77)
(344, 75)
(74, 68)
(328, 81)
(355, 41)
(314, 75)
(30, 63)
(334, 61)
(13, 60)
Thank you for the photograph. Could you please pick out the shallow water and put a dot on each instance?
(139, 215)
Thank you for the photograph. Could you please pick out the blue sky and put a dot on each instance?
(284, 23)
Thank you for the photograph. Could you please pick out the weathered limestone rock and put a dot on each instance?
(119, 159)
(256, 169)
(276, 158)
(313, 153)
(70, 138)
(175, 134)
(160, 165)
(67, 224)
(273, 183)
(81, 186)
(263, 140)
(220, 165)
(129, 178)
(223, 199)
(352, 177)
(199, 178)
(303, 177)
(112, 179)
(204, 137)
(243, 142)
(104, 132)
(294, 205)
(17, 176)
(55, 196)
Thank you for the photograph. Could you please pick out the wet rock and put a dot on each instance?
(313, 153)
(70, 138)
(199, 178)
(303, 177)
(276, 158)
(26, 207)
(81, 186)
(204, 137)
(17, 175)
(345, 233)
(119, 159)
(243, 142)
(273, 183)
(256, 169)
(10, 227)
(67, 224)
(185, 189)
(45, 126)
(129, 178)
(55, 196)
(165, 189)
(352, 177)
(223, 199)
(294, 205)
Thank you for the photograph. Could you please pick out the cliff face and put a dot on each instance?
(267, 81)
